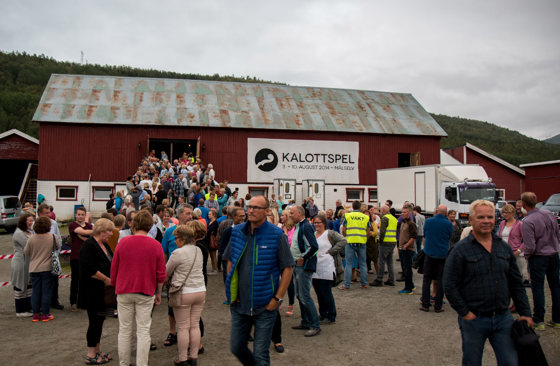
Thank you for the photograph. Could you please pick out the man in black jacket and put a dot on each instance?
(480, 278)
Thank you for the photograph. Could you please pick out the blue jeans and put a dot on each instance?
(327, 307)
(302, 285)
(350, 250)
(497, 330)
(241, 325)
(539, 267)
(42, 284)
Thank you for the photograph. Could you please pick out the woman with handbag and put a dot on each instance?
(212, 240)
(40, 248)
(187, 292)
(95, 272)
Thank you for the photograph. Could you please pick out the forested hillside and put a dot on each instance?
(23, 78)
(553, 140)
(502, 142)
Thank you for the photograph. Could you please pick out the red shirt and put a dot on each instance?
(138, 265)
(76, 244)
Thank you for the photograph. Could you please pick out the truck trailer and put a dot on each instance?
(428, 186)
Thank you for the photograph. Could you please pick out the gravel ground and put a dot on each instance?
(375, 326)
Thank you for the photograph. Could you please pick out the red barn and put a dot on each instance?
(263, 138)
(19, 154)
(509, 179)
(543, 178)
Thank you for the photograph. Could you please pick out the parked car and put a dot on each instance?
(552, 204)
(10, 211)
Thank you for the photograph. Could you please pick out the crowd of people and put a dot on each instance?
(181, 218)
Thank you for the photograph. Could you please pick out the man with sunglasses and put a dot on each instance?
(258, 254)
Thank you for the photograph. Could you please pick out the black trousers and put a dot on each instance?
(74, 280)
(95, 328)
(433, 270)
(54, 296)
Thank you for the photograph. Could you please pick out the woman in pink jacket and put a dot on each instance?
(510, 232)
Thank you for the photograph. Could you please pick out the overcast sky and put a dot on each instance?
(496, 61)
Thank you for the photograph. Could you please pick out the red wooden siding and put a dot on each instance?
(110, 153)
(544, 180)
(456, 152)
(15, 147)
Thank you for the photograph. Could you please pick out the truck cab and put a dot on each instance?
(458, 196)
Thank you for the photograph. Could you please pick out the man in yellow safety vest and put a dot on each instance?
(356, 227)
(387, 242)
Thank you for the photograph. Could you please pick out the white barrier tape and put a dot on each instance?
(10, 256)
(2, 284)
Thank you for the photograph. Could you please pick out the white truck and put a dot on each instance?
(428, 186)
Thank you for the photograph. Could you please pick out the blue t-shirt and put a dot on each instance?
(168, 241)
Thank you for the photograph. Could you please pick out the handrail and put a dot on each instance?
(24, 182)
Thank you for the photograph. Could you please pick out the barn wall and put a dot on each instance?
(544, 180)
(110, 153)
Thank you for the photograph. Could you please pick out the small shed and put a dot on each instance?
(19, 155)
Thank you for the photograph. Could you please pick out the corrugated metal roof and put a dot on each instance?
(171, 102)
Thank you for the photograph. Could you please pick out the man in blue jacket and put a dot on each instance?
(437, 233)
(258, 253)
(304, 247)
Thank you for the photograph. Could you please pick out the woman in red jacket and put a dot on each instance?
(137, 272)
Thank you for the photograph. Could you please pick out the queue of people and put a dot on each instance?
(267, 248)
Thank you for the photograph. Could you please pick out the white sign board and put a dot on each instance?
(332, 161)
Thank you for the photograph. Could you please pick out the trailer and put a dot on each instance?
(428, 186)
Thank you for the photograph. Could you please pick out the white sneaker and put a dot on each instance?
(212, 272)
(24, 314)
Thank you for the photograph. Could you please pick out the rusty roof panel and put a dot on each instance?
(170, 102)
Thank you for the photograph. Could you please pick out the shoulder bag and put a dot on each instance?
(56, 269)
(175, 292)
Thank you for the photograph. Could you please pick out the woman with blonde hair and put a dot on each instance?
(95, 275)
(287, 224)
(510, 232)
(184, 271)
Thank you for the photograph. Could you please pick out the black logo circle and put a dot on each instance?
(266, 160)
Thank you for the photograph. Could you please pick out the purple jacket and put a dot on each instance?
(540, 233)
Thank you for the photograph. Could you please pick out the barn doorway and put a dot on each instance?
(174, 148)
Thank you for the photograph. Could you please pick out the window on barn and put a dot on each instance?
(353, 194)
(101, 193)
(66, 193)
(258, 191)
(372, 195)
